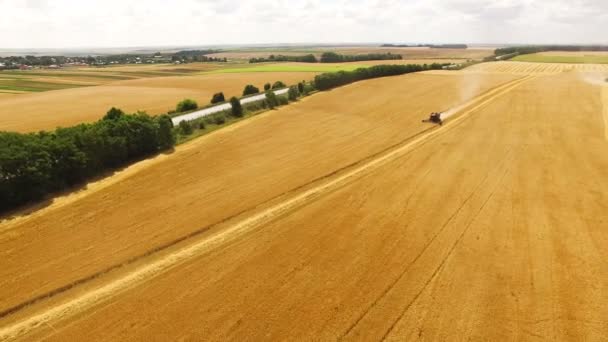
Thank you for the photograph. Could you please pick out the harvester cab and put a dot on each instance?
(434, 117)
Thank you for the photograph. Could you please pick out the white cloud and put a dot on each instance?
(71, 23)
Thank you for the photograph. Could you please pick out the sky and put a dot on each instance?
(129, 23)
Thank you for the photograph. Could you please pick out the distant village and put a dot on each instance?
(56, 62)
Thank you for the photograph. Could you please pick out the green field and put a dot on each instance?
(44, 80)
(313, 67)
(538, 58)
(28, 85)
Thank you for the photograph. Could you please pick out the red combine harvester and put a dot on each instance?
(434, 117)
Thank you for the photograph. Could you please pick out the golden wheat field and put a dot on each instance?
(340, 217)
(47, 110)
(525, 68)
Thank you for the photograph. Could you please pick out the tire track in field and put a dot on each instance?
(424, 249)
(327, 184)
(16, 308)
(605, 111)
(444, 260)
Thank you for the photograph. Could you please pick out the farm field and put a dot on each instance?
(407, 53)
(347, 218)
(242, 171)
(157, 69)
(152, 88)
(525, 68)
(356, 217)
(47, 110)
(322, 134)
(466, 234)
(325, 67)
(38, 80)
(584, 57)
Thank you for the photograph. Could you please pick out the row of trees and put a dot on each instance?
(332, 57)
(275, 85)
(202, 58)
(310, 58)
(251, 89)
(190, 105)
(335, 79)
(237, 110)
(432, 46)
(36, 164)
(328, 57)
(184, 56)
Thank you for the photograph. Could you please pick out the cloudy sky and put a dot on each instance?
(119, 23)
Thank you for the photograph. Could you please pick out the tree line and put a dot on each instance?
(328, 57)
(198, 126)
(35, 164)
(330, 80)
(310, 58)
(184, 56)
(433, 46)
(332, 57)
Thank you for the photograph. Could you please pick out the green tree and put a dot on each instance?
(36, 164)
(278, 85)
(310, 58)
(266, 86)
(331, 57)
(301, 87)
(166, 137)
(218, 97)
(271, 99)
(250, 89)
(113, 114)
(293, 93)
(237, 108)
(186, 105)
(185, 128)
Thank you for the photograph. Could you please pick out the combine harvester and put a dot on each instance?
(435, 117)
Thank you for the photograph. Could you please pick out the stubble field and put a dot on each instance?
(340, 217)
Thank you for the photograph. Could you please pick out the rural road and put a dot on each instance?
(220, 108)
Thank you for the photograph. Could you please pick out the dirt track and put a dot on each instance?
(480, 229)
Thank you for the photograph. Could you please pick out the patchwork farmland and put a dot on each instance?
(28, 105)
(342, 216)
